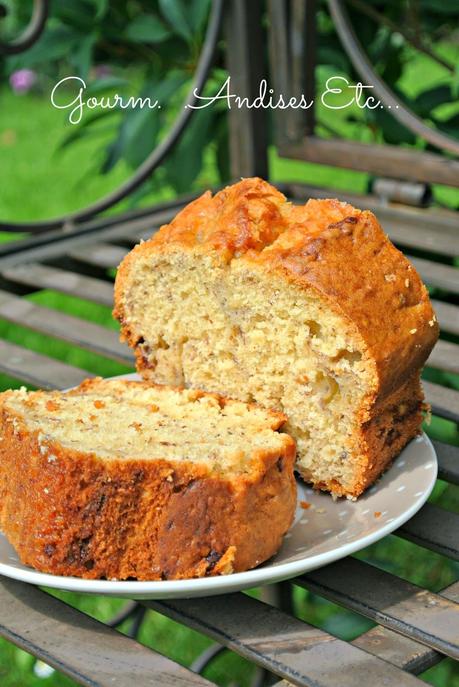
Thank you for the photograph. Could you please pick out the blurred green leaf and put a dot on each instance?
(393, 131)
(199, 11)
(146, 28)
(393, 65)
(141, 127)
(440, 6)
(81, 56)
(380, 44)
(174, 11)
(329, 55)
(105, 85)
(79, 134)
(101, 7)
(449, 126)
(455, 82)
(86, 128)
(184, 163)
(140, 135)
(54, 44)
(79, 14)
(430, 99)
(163, 90)
(113, 154)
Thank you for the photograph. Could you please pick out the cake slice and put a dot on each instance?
(123, 479)
(306, 309)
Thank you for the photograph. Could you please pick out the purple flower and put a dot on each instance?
(102, 71)
(22, 80)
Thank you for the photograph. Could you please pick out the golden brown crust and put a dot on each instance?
(73, 513)
(335, 251)
(327, 246)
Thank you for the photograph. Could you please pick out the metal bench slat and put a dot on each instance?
(436, 274)
(434, 528)
(419, 237)
(445, 356)
(104, 255)
(58, 242)
(444, 401)
(37, 369)
(448, 461)
(39, 276)
(402, 651)
(448, 316)
(284, 645)
(389, 601)
(85, 334)
(86, 650)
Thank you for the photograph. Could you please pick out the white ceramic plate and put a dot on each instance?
(324, 532)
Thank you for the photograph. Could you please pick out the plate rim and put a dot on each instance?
(207, 586)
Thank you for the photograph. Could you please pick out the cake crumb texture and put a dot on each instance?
(307, 309)
(127, 480)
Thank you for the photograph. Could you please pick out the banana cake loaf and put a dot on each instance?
(119, 479)
(307, 309)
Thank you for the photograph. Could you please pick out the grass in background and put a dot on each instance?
(38, 183)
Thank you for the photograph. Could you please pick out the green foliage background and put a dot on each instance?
(152, 48)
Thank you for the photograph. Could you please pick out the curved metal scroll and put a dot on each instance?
(364, 67)
(157, 155)
(31, 33)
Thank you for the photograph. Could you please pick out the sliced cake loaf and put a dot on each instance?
(121, 479)
(306, 309)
